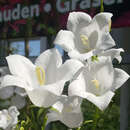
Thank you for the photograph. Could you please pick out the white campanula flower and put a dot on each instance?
(43, 81)
(98, 81)
(86, 37)
(15, 94)
(8, 118)
(68, 111)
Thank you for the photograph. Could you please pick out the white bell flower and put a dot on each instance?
(14, 93)
(68, 111)
(86, 37)
(98, 81)
(8, 118)
(43, 81)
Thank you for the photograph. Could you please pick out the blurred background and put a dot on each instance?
(28, 27)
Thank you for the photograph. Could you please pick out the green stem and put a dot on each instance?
(44, 119)
(102, 7)
(96, 116)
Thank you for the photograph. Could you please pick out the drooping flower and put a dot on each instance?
(9, 118)
(68, 111)
(86, 37)
(98, 81)
(43, 81)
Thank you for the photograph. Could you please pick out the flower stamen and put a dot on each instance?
(110, 25)
(40, 75)
(96, 83)
(85, 41)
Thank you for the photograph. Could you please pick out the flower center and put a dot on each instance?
(40, 75)
(85, 41)
(69, 109)
(96, 83)
(8, 117)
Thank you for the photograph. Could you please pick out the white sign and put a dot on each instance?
(34, 10)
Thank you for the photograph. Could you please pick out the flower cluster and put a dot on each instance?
(89, 70)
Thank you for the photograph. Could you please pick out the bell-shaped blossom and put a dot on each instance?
(86, 37)
(67, 110)
(9, 118)
(14, 93)
(43, 81)
(98, 81)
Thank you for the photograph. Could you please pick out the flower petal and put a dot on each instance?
(18, 101)
(69, 69)
(113, 53)
(120, 78)
(106, 42)
(100, 101)
(46, 95)
(66, 40)
(81, 87)
(70, 113)
(10, 80)
(22, 67)
(50, 60)
(6, 92)
(52, 117)
(82, 57)
(72, 120)
(20, 91)
(3, 71)
(103, 20)
(77, 20)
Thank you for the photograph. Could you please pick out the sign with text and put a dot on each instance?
(28, 18)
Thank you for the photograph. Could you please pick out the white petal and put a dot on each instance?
(50, 60)
(66, 40)
(70, 113)
(69, 69)
(78, 85)
(52, 117)
(3, 71)
(82, 57)
(20, 91)
(13, 112)
(120, 78)
(106, 42)
(46, 95)
(3, 120)
(77, 20)
(22, 67)
(113, 53)
(103, 20)
(72, 120)
(6, 92)
(100, 101)
(10, 80)
(18, 101)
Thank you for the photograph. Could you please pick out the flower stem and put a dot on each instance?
(44, 119)
(102, 7)
(44, 122)
(96, 116)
